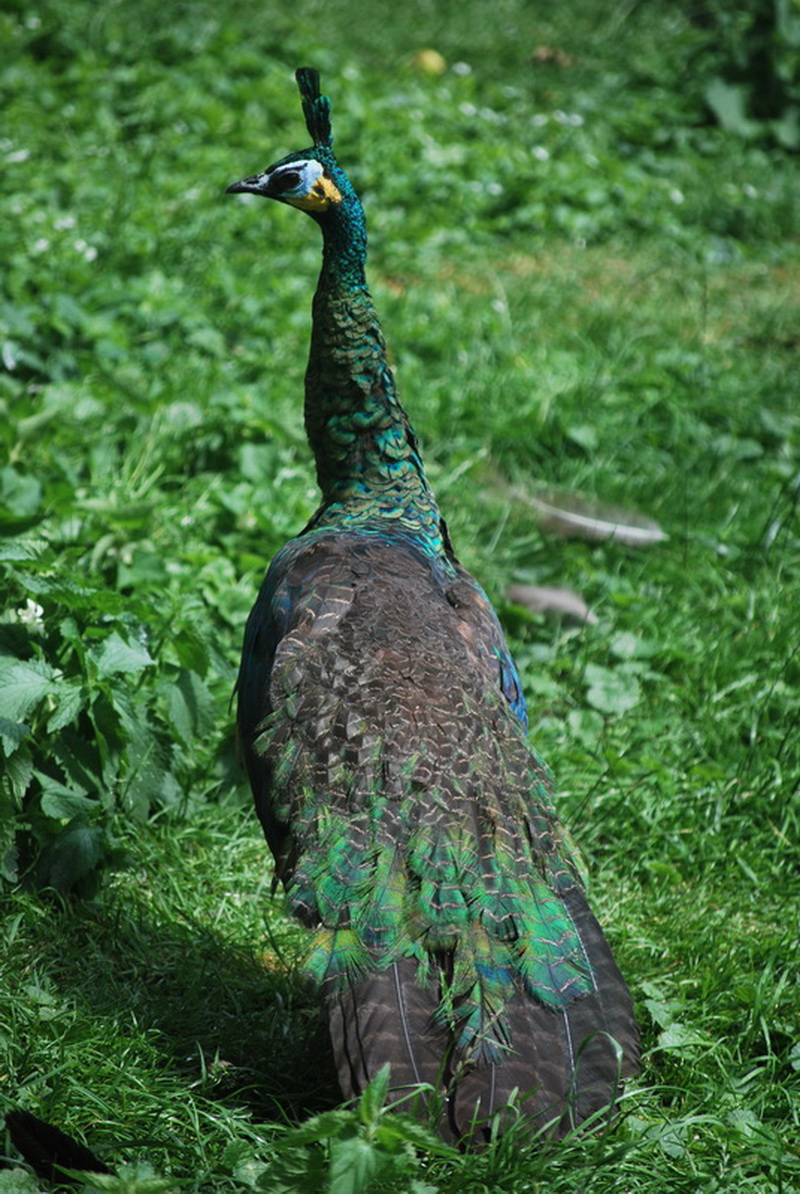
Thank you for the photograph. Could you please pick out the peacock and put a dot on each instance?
(383, 727)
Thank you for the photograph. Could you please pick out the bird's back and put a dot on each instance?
(413, 830)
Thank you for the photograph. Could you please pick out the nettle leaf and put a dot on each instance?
(191, 649)
(116, 655)
(354, 1162)
(19, 773)
(69, 695)
(76, 595)
(191, 709)
(23, 683)
(148, 781)
(322, 1127)
(395, 1131)
(12, 735)
(374, 1096)
(110, 738)
(78, 758)
(21, 549)
(295, 1171)
(73, 855)
(63, 803)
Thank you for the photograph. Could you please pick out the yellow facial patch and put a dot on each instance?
(320, 197)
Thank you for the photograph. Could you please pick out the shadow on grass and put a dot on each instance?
(240, 1027)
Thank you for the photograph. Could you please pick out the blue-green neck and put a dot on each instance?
(368, 463)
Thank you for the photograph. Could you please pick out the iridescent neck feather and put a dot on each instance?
(368, 462)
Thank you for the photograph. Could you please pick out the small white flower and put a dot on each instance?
(30, 613)
(494, 188)
(750, 191)
(19, 155)
(64, 222)
(462, 68)
(467, 109)
(540, 153)
(676, 196)
(41, 245)
(539, 120)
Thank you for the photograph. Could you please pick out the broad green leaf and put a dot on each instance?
(77, 757)
(75, 594)
(73, 855)
(116, 655)
(322, 1127)
(12, 733)
(190, 707)
(396, 1129)
(19, 772)
(296, 1170)
(63, 803)
(354, 1162)
(69, 695)
(191, 648)
(374, 1096)
(21, 549)
(23, 683)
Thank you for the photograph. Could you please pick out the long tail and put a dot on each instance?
(566, 1064)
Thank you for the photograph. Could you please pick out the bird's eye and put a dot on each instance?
(289, 180)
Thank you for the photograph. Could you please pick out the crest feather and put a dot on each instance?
(316, 107)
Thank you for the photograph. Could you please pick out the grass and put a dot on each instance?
(586, 288)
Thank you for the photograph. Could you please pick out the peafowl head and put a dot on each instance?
(311, 179)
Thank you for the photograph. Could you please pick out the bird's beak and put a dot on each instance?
(257, 184)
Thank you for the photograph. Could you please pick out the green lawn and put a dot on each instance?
(588, 289)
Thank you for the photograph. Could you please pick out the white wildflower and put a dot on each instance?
(31, 613)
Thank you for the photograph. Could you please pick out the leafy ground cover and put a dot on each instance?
(588, 288)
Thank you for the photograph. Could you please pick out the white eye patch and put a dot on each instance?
(295, 179)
